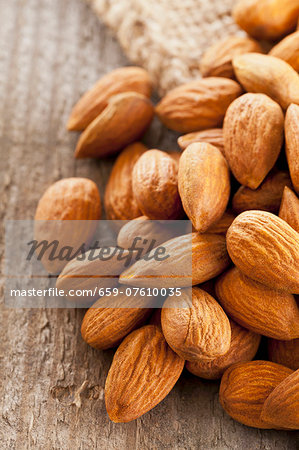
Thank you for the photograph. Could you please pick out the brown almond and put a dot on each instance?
(292, 143)
(285, 353)
(289, 208)
(223, 224)
(281, 407)
(253, 122)
(136, 381)
(214, 136)
(245, 387)
(197, 105)
(217, 59)
(123, 121)
(266, 249)
(182, 321)
(267, 197)
(120, 203)
(155, 185)
(288, 50)
(258, 308)
(268, 75)
(243, 347)
(204, 184)
(94, 101)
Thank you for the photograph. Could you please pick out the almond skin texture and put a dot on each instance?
(267, 19)
(207, 252)
(253, 122)
(214, 136)
(243, 347)
(94, 101)
(260, 309)
(288, 50)
(282, 406)
(123, 121)
(155, 185)
(292, 143)
(204, 184)
(217, 60)
(104, 327)
(120, 203)
(289, 208)
(67, 200)
(266, 249)
(143, 371)
(223, 224)
(245, 387)
(285, 353)
(268, 75)
(267, 197)
(197, 105)
(195, 326)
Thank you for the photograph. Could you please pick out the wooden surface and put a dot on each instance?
(51, 381)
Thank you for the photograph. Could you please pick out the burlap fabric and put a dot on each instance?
(167, 37)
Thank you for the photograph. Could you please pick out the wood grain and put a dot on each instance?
(51, 381)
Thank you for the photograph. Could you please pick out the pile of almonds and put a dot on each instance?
(234, 183)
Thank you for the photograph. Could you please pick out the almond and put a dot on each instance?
(223, 224)
(213, 136)
(289, 208)
(155, 185)
(245, 387)
(197, 105)
(120, 203)
(111, 318)
(288, 50)
(254, 122)
(137, 381)
(284, 352)
(268, 75)
(243, 347)
(192, 259)
(94, 101)
(67, 200)
(266, 249)
(260, 309)
(292, 143)
(204, 184)
(217, 59)
(122, 122)
(195, 326)
(267, 19)
(267, 197)
(282, 405)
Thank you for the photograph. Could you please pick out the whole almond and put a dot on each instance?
(204, 255)
(214, 136)
(284, 352)
(197, 105)
(266, 249)
(268, 75)
(288, 50)
(155, 185)
(258, 308)
(282, 405)
(267, 197)
(137, 381)
(245, 387)
(292, 143)
(123, 121)
(217, 59)
(204, 184)
(254, 122)
(94, 101)
(243, 347)
(267, 19)
(182, 321)
(120, 203)
(110, 319)
(223, 224)
(289, 208)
